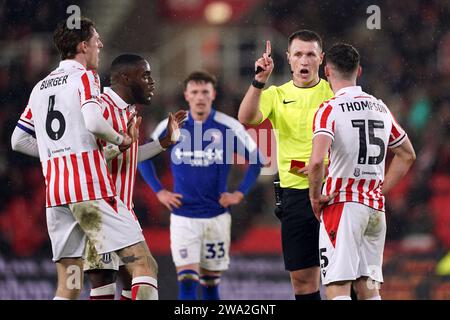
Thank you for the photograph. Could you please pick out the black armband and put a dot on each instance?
(257, 84)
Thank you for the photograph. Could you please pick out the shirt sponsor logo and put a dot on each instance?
(212, 146)
(199, 158)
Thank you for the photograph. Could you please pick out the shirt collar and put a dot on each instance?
(190, 120)
(352, 89)
(115, 98)
(71, 63)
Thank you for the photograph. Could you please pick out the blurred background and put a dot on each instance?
(406, 62)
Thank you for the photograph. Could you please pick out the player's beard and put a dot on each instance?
(139, 95)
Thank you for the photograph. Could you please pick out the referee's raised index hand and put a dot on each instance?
(268, 52)
(265, 63)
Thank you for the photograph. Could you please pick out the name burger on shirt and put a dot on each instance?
(53, 82)
(213, 147)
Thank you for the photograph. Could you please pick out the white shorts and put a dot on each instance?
(105, 261)
(351, 242)
(107, 223)
(203, 241)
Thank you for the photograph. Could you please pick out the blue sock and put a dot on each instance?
(210, 287)
(187, 285)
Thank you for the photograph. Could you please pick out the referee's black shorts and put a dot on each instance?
(299, 230)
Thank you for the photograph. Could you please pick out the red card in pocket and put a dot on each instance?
(295, 166)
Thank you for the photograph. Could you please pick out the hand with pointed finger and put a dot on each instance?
(264, 65)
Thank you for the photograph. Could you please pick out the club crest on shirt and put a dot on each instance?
(183, 253)
(357, 172)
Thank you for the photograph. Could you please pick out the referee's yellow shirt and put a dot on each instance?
(291, 111)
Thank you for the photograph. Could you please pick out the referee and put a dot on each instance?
(291, 108)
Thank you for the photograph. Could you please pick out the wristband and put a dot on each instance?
(119, 140)
(257, 84)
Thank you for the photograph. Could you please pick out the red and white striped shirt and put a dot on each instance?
(72, 161)
(123, 167)
(362, 128)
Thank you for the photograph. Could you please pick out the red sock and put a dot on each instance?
(144, 288)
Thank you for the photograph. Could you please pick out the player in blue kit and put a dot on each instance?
(200, 222)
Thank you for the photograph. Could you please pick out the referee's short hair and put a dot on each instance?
(344, 58)
(306, 35)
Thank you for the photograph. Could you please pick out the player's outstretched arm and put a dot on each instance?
(402, 161)
(149, 150)
(153, 148)
(249, 109)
